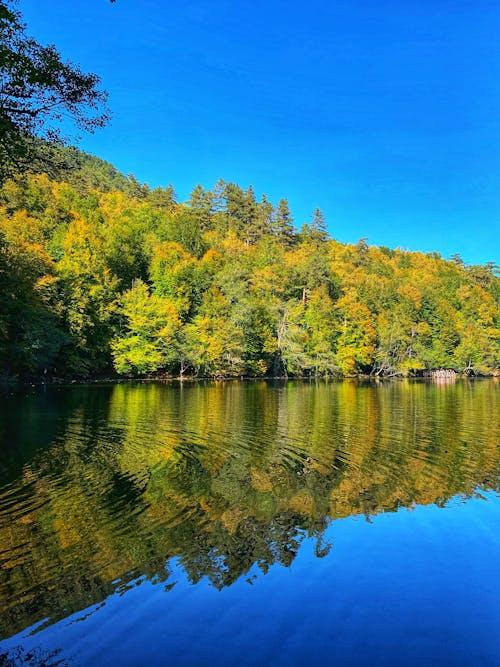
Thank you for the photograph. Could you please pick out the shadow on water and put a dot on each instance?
(19, 657)
(102, 485)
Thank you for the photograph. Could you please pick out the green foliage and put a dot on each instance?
(148, 340)
(30, 326)
(98, 271)
(315, 232)
(185, 228)
(283, 224)
(38, 90)
(173, 273)
(214, 342)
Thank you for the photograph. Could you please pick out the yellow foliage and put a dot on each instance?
(260, 480)
(302, 502)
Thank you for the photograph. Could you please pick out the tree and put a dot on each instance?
(283, 224)
(30, 331)
(184, 228)
(96, 269)
(320, 325)
(152, 323)
(89, 291)
(38, 89)
(265, 218)
(173, 273)
(214, 341)
(201, 202)
(355, 333)
(316, 231)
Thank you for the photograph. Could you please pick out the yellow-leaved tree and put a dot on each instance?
(148, 341)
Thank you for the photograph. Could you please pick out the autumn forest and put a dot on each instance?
(103, 275)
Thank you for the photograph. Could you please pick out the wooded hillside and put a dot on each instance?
(99, 272)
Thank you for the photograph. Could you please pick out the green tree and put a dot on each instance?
(184, 227)
(38, 89)
(173, 272)
(316, 232)
(319, 322)
(89, 293)
(283, 224)
(201, 203)
(214, 341)
(31, 333)
(148, 342)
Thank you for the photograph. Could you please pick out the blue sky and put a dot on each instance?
(385, 114)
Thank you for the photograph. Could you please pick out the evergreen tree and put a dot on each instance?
(95, 274)
(315, 232)
(202, 202)
(164, 199)
(283, 224)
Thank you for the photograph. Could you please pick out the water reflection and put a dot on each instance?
(101, 485)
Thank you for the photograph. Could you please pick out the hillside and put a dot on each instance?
(102, 274)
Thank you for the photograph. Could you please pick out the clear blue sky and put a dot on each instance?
(385, 114)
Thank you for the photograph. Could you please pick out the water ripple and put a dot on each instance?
(220, 476)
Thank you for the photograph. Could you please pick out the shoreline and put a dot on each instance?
(107, 380)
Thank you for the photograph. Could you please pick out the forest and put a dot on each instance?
(103, 276)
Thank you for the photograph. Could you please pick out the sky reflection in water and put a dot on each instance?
(258, 519)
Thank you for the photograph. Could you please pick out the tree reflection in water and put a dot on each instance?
(100, 486)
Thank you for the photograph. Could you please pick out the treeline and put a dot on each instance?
(100, 272)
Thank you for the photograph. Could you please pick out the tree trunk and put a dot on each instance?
(277, 365)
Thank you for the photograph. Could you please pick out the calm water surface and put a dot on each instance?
(251, 524)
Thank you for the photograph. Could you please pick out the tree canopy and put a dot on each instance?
(99, 274)
(38, 91)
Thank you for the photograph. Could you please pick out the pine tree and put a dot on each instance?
(201, 202)
(317, 229)
(283, 224)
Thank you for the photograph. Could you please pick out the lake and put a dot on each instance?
(251, 523)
